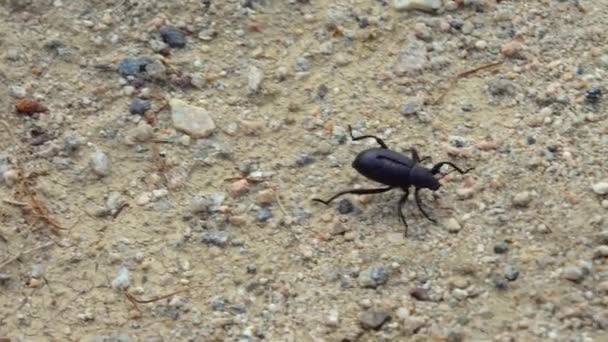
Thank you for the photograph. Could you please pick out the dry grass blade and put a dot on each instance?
(134, 300)
(465, 73)
(34, 207)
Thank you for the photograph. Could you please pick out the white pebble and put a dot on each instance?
(121, 282)
(100, 163)
(600, 188)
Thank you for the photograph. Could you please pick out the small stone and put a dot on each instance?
(600, 188)
(10, 177)
(452, 225)
(18, 92)
(522, 199)
(373, 319)
(263, 215)
(121, 282)
(100, 163)
(600, 252)
(266, 197)
(373, 277)
(501, 247)
(215, 237)
(131, 66)
(574, 273)
(139, 106)
(332, 319)
(459, 282)
(143, 199)
(238, 188)
(173, 36)
(511, 273)
(255, 78)
(420, 294)
(459, 294)
(339, 228)
(419, 5)
(345, 206)
(411, 106)
(192, 120)
(512, 49)
(71, 144)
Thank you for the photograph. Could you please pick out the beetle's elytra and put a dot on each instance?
(395, 170)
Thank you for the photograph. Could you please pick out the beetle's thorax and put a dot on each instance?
(421, 177)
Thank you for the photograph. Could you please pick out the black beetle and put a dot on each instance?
(395, 170)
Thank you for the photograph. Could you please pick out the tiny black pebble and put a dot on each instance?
(345, 206)
(531, 140)
(511, 274)
(593, 95)
(172, 36)
(139, 106)
(501, 247)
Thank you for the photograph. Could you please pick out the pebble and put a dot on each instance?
(263, 214)
(173, 36)
(600, 252)
(574, 273)
(133, 66)
(254, 80)
(512, 49)
(600, 188)
(121, 282)
(238, 188)
(332, 319)
(266, 196)
(511, 273)
(373, 277)
(522, 199)
(452, 225)
(373, 319)
(215, 237)
(411, 106)
(71, 144)
(419, 5)
(18, 92)
(100, 163)
(139, 106)
(501, 247)
(192, 120)
(345, 206)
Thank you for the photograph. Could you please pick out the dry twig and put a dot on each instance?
(465, 73)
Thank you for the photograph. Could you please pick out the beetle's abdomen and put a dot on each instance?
(384, 166)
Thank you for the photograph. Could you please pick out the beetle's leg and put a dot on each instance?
(400, 209)
(355, 192)
(419, 203)
(437, 167)
(382, 144)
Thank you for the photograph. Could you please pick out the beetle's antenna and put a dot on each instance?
(435, 170)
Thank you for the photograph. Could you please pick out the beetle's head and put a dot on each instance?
(422, 177)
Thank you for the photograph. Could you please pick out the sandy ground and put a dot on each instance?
(102, 207)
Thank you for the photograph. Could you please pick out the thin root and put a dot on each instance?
(465, 73)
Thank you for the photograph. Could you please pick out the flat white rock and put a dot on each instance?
(420, 5)
(192, 120)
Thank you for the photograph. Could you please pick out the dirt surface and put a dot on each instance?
(149, 147)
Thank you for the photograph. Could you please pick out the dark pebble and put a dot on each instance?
(322, 91)
(345, 206)
(420, 294)
(218, 303)
(251, 269)
(593, 95)
(511, 273)
(500, 282)
(467, 107)
(133, 66)
(304, 160)
(263, 215)
(531, 140)
(363, 22)
(139, 106)
(216, 237)
(501, 247)
(172, 36)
